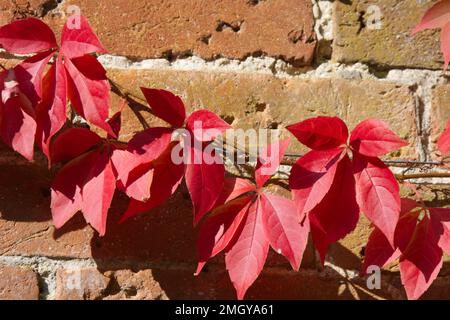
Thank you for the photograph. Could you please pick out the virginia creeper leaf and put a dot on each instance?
(206, 125)
(269, 160)
(166, 106)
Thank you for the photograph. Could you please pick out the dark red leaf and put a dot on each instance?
(217, 232)
(167, 177)
(338, 213)
(204, 182)
(311, 178)
(88, 90)
(72, 143)
(27, 36)
(422, 260)
(233, 188)
(321, 133)
(166, 106)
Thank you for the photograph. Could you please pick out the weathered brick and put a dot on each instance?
(215, 284)
(392, 45)
(263, 101)
(440, 114)
(17, 283)
(18, 9)
(209, 29)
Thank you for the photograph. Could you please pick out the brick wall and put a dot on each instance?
(258, 64)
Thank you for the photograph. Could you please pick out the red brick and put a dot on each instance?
(228, 28)
(173, 283)
(18, 283)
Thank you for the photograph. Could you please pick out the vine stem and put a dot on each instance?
(290, 159)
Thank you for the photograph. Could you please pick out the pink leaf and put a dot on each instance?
(79, 40)
(27, 36)
(167, 177)
(217, 232)
(373, 139)
(377, 193)
(441, 223)
(436, 17)
(66, 198)
(233, 188)
(206, 125)
(30, 74)
(285, 233)
(321, 133)
(18, 124)
(338, 213)
(311, 178)
(444, 140)
(88, 90)
(445, 46)
(98, 191)
(245, 260)
(422, 261)
(72, 143)
(269, 160)
(204, 182)
(51, 112)
(166, 106)
(143, 148)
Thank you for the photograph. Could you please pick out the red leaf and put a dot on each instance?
(30, 74)
(143, 148)
(436, 17)
(422, 260)
(311, 178)
(72, 143)
(206, 125)
(167, 177)
(51, 112)
(441, 221)
(444, 140)
(445, 46)
(233, 188)
(337, 214)
(166, 106)
(269, 160)
(98, 191)
(204, 182)
(88, 90)
(373, 139)
(18, 124)
(377, 193)
(379, 251)
(286, 235)
(27, 36)
(217, 232)
(321, 133)
(247, 256)
(77, 41)
(66, 198)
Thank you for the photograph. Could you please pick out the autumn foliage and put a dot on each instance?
(341, 177)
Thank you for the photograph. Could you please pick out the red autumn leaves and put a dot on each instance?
(248, 220)
(331, 185)
(422, 235)
(34, 99)
(342, 176)
(147, 170)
